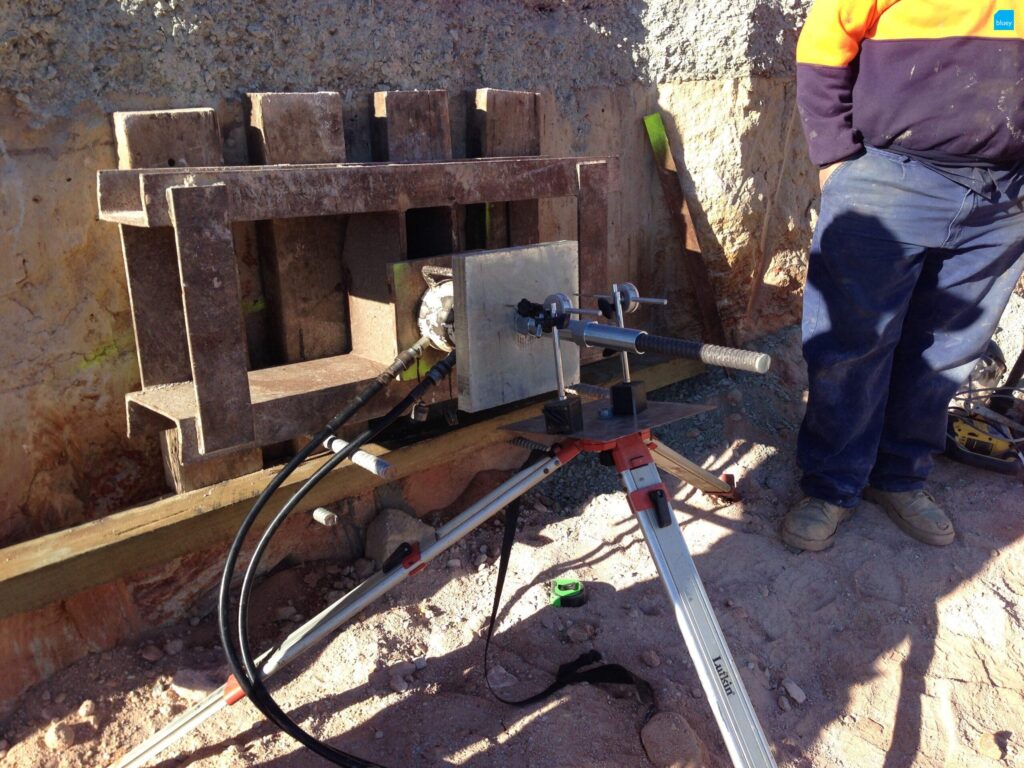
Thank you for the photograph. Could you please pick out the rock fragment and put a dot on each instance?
(59, 736)
(670, 742)
(499, 677)
(398, 683)
(192, 685)
(284, 613)
(650, 658)
(580, 633)
(391, 528)
(796, 693)
(363, 568)
(151, 653)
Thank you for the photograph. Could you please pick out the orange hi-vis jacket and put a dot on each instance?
(940, 78)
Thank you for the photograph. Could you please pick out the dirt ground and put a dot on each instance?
(894, 654)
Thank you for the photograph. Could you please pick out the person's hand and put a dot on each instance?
(827, 171)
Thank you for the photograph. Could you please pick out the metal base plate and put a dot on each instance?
(606, 428)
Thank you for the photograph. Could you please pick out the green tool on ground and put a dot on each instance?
(568, 593)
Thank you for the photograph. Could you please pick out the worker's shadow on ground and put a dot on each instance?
(832, 621)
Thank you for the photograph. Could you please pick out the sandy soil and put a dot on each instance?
(902, 655)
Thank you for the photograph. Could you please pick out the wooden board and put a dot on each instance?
(497, 365)
(48, 568)
(408, 127)
(505, 124)
(173, 138)
(302, 258)
(701, 287)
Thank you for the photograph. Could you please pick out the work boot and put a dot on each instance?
(812, 523)
(916, 513)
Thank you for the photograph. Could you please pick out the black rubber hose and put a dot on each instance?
(257, 691)
(400, 364)
(726, 357)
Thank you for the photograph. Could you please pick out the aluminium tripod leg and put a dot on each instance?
(718, 673)
(347, 607)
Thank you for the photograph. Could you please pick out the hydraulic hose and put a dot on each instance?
(401, 363)
(247, 670)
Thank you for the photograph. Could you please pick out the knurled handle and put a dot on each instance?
(726, 357)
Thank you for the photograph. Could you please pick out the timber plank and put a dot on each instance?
(702, 288)
(52, 567)
(213, 315)
(506, 124)
(287, 400)
(302, 266)
(592, 232)
(408, 127)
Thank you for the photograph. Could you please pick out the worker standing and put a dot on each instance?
(914, 112)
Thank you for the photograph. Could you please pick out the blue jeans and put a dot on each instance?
(909, 274)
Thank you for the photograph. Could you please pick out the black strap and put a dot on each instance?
(571, 672)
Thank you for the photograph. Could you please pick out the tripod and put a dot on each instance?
(636, 456)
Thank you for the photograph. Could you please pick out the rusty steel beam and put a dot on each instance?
(287, 401)
(213, 315)
(138, 197)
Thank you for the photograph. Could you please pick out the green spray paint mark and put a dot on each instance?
(256, 305)
(108, 351)
(657, 136)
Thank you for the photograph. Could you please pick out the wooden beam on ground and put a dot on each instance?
(52, 567)
(174, 138)
(701, 286)
(138, 198)
(303, 275)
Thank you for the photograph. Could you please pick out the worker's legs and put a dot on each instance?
(881, 217)
(953, 313)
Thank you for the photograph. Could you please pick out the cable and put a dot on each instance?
(401, 363)
(257, 691)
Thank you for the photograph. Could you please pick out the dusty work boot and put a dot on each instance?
(812, 523)
(916, 513)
